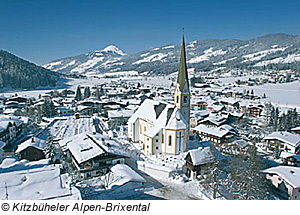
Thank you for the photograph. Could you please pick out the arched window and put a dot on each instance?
(170, 140)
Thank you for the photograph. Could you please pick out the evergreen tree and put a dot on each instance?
(48, 108)
(87, 92)
(97, 93)
(78, 95)
(49, 150)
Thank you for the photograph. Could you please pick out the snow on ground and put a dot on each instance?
(168, 47)
(231, 79)
(122, 73)
(34, 180)
(207, 53)
(152, 58)
(112, 48)
(62, 128)
(50, 65)
(86, 65)
(289, 59)
(284, 95)
(258, 55)
(177, 190)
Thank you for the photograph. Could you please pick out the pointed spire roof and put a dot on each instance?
(182, 78)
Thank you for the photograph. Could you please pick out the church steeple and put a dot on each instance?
(182, 78)
(182, 93)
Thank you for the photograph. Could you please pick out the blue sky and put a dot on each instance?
(45, 30)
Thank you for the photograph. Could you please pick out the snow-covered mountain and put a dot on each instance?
(277, 51)
(88, 63)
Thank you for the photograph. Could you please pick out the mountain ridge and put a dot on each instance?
(272, 51)
(16, 72)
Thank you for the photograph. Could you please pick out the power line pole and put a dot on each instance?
(6, 193)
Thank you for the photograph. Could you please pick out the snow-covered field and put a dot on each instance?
(283, 95)
(286, 94)
(68, 127)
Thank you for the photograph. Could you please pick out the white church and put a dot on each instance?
(161, 127)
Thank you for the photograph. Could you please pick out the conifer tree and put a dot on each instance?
(78, 96)
(87, 92)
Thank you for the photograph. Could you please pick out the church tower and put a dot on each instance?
(182, 93)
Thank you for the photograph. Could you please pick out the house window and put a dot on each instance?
(162, 138)
(145, 129)
(170, 140)
(156, 147)
(156, 140)
(140, 129)
(185, 99)
(177, 99)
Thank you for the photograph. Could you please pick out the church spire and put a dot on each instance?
(182, 78)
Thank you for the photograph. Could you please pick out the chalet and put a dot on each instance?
(64, 111)
(213, 120)
(216, 135)
(252, 110)
(10, 127)
(32, 149)
(118, 117)
(198, 161)
(290, 159)
(201, 105)
(286, 179)
(230, 103)
(92, 155)
(283, 141)
(18, 99)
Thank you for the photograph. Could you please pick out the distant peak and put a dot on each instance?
(112, 48)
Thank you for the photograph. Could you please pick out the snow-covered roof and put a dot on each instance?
(36, 184)
(123, 174)
(201, 155)
(216, 131)
(120, 113)
(160, 114)
(230, 101)
(86, 146)
(5, 120)
(288, 173)
(83, 148)
(284, 136)
(215, 119)
(33, 142)
(286, 155)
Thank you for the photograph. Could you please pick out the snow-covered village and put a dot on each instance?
(149, 101)
(138, 136)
